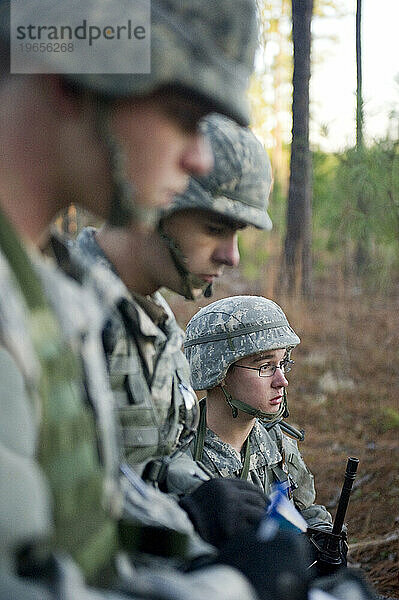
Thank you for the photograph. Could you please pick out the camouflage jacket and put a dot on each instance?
(273, 457)
(150, 384)
(148, 371)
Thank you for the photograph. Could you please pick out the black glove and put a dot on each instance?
(221, 508)
(329, 551)
(277, 568)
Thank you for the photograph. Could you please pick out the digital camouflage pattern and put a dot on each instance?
(239, 184)
(142, 504)
(149, 374)
(219, 335)
(203, 48)
(223, 332)
(75, 523)
(274, 457)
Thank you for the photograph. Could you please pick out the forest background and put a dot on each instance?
(342, 296)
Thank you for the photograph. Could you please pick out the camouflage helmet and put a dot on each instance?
(205, 49)
(232, 328)
(238, 187)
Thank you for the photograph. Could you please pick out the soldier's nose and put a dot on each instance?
(198, 156)
(279, 379)
(227, 252)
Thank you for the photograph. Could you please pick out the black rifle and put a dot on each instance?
(329, 543)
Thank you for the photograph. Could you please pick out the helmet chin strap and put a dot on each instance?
(269, 420)
(266, 418)
(123, 209)
(190, 282)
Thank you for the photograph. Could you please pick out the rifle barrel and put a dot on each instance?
(350, 475)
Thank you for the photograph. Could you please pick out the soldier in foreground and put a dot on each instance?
(59, 491)
(239, 351)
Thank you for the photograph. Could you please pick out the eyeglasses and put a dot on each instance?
(268, 370)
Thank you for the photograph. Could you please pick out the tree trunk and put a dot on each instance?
(362, 254)
(359, 92)
(298, 241)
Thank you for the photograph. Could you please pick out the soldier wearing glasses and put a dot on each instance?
(239, 351)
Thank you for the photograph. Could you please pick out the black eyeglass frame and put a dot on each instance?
(285, 365)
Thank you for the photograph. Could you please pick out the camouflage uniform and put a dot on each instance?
(217, 336)
(267, 466)
(149, 373)
(152, 412)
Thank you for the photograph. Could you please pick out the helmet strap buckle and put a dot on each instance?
(208, 291)
(286, 412)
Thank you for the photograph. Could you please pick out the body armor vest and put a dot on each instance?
(151, 430)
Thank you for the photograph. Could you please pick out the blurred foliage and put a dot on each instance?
(386, 419)
(254, 254)
(391, 418)
(339, 179)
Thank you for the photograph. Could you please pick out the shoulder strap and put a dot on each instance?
(128, 313)
(247, 457)
(21, 266)
(200, 437)
(200, 441)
